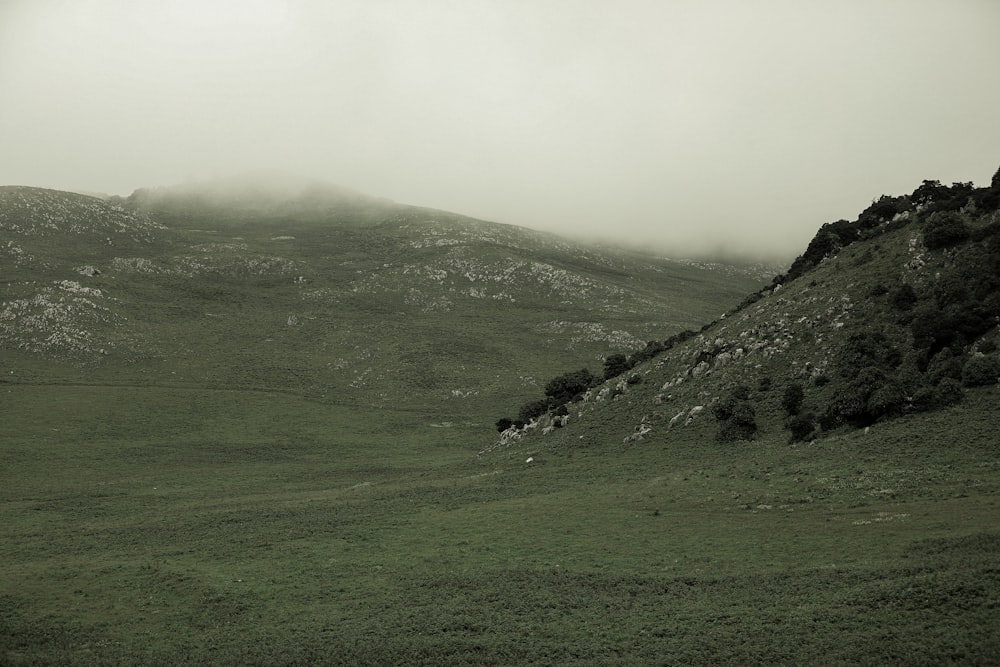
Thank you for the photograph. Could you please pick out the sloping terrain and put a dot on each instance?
(321, 292)
(892, 314)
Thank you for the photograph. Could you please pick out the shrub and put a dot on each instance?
(653, 349)
(569, 386)
(903, 298)
(764, 385)
(792, 399)
(635, 378)
(944, 230)
(868, 349)
(948, 392)
(503, 424)
(870, 396)
(981, 370)
(533, 409)
(802, 427)
(736, 417)
(615, 365)
(944, 365)
(882, 210)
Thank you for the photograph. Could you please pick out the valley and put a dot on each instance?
(263, 433)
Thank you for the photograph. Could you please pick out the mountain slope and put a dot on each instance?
(317, 290)
(891, 314)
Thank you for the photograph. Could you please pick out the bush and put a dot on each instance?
(981, 370)
(948, 392)
(503, 424)
(792, 399)
(871, 396)
(764, 385)
(903, 298)
(533, 409)
(615, 365)
(569, 386)
(868, 349)
(802, 427)
(944, 230)
(736, 417)
(944, 365)
(653, 349)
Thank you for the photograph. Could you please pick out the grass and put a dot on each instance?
(166, 526)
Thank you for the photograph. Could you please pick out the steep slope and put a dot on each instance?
(295, 286)
(891, 314)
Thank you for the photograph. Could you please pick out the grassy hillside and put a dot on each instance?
(206, 492)
(336, 297)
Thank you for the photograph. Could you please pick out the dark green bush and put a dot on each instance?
(868, 349)
(945, 229)
(802, 427)
(903, 298)
(948, 392)
(533, 409)
(792, 399)
(736, 417)
(764, 385)
(944, 365)
(653, 349)
(870, 396)
(570, 386)
(503, 424)
(981, 370)
(615, 365)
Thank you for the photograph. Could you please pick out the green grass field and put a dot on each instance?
(192, 526)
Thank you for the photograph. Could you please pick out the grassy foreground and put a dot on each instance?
(185, 526)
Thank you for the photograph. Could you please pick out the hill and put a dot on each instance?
(319, 291)
(891, 314)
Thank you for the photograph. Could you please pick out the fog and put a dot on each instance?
(688, 125)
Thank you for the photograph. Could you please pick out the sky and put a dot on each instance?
(691, 126)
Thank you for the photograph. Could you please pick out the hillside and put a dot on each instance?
(891, 314)
(277, 284)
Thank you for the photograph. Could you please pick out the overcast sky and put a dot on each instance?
(687, 124)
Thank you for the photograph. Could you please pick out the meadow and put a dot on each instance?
(184, 525)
